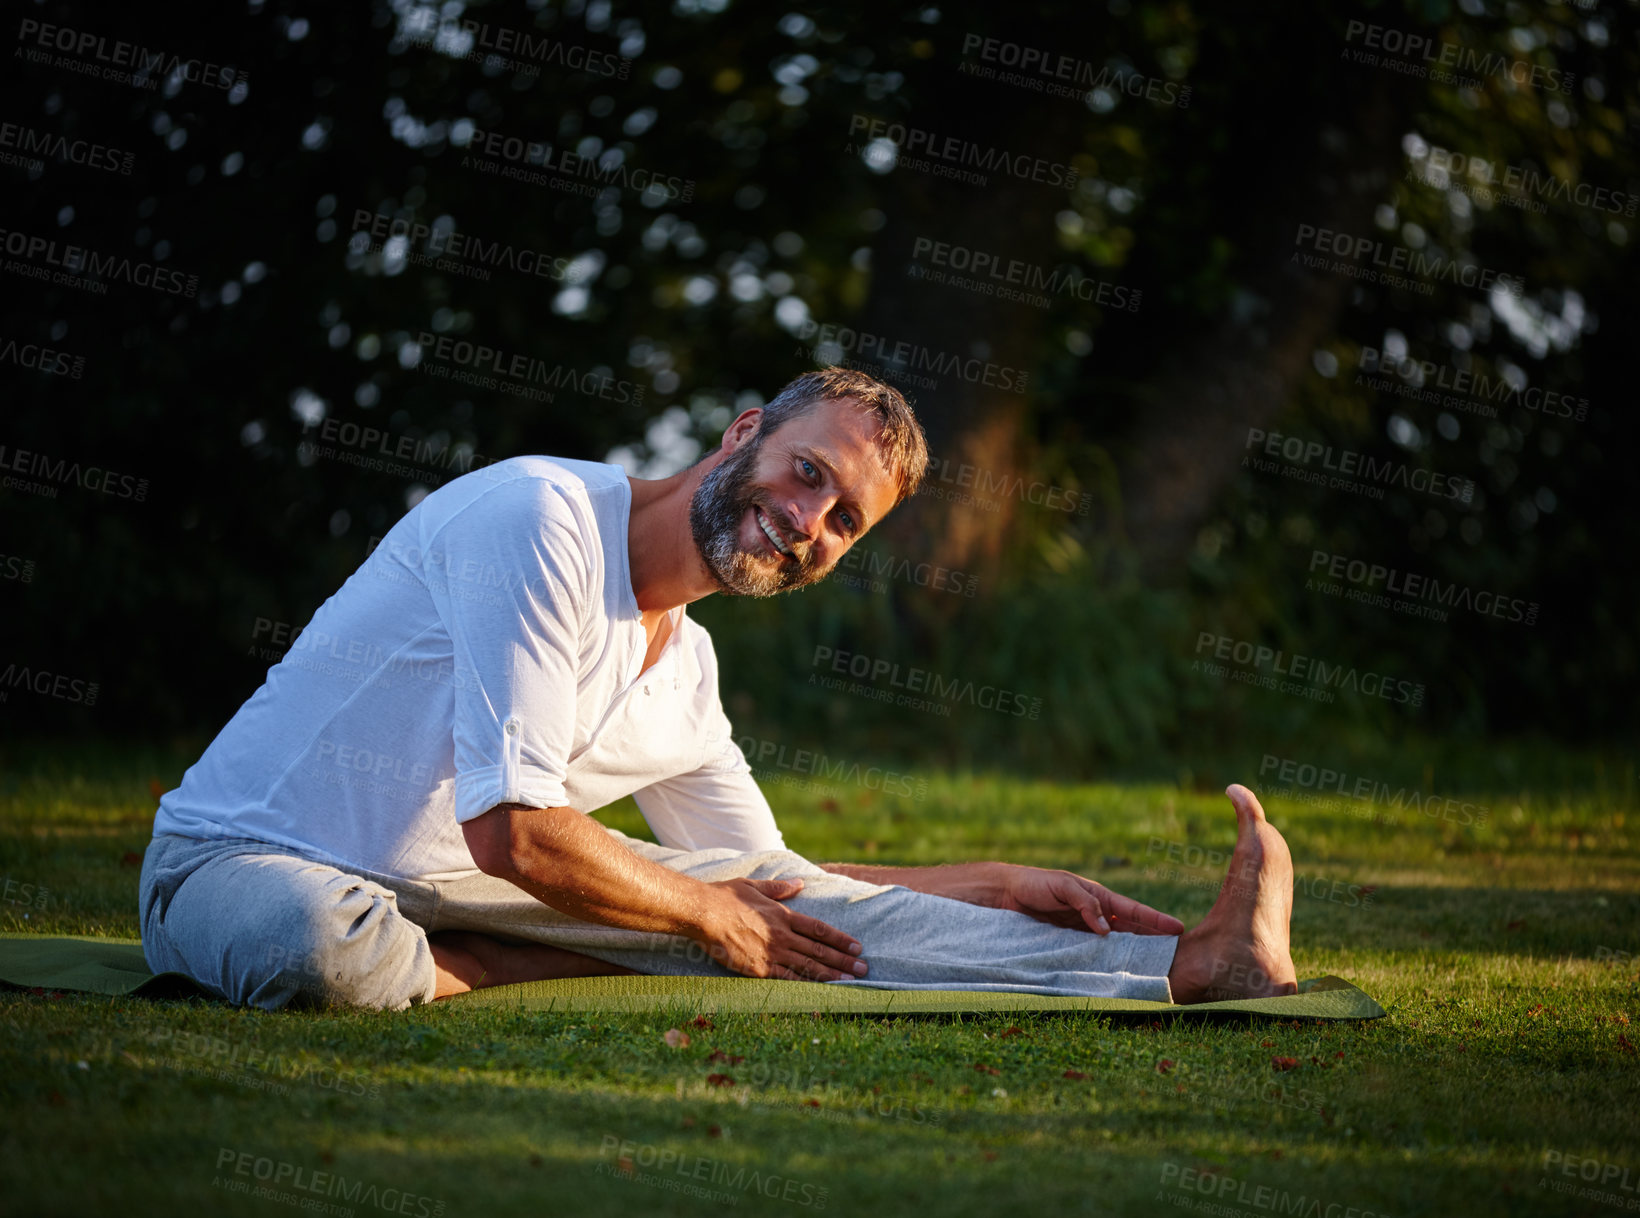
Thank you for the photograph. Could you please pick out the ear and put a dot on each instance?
(742, 429)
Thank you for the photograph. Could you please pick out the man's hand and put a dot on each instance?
(570, 862)
(1065, 899)
(750, 931)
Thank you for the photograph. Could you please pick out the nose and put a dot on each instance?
(804, 516)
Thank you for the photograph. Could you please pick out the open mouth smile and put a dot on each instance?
(775, 540)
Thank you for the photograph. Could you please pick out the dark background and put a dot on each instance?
(1190, 200)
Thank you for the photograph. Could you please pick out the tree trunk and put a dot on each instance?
(1192, 426)
(977, 433)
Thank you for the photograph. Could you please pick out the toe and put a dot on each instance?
(1244, 801)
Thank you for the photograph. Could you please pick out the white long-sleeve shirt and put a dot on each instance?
(488, 651)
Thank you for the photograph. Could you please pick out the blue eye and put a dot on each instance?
(808, 468)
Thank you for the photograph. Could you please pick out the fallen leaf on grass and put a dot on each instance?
(700, 1021)
(984, 1069)
(677, 1038)
(1163, 1066)
(718, 1055)
(1623, 1043)
(1075, 1074)
(720, 1080)
(1283, 1063)
(1011, 1032)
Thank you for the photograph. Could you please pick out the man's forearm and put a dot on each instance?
(564, 859)
(975, 883)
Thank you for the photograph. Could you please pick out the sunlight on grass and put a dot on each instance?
(1504, 954)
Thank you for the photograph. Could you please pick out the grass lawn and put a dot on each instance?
(1505, 954)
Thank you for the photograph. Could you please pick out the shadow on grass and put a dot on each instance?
(511, 1139)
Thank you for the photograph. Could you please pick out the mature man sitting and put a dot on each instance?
(399, 813)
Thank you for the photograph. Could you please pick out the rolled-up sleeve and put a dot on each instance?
(515, 581)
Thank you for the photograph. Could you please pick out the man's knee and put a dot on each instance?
(270, 931)
(300, 973)
(347, 945)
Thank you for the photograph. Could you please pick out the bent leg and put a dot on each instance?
(259, 927)
(467, 960)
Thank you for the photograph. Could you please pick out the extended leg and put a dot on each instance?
(912, 940)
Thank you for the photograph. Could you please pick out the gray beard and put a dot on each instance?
(716, 510)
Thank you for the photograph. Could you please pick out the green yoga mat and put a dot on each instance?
(86, 963)
(116, 966)
(1318, 998)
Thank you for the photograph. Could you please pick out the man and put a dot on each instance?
(399, 813)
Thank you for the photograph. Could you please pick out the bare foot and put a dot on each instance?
(1241, 949)
(467, 960)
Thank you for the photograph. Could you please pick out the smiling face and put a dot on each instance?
(781, 509)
